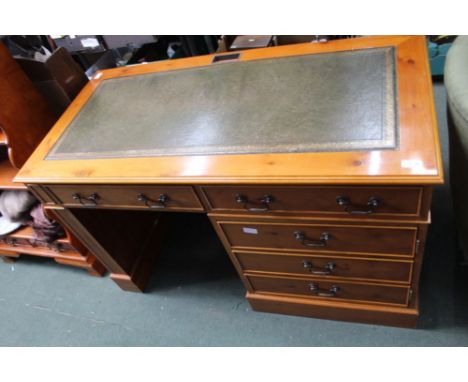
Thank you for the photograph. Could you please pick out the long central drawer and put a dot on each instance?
(352, 239)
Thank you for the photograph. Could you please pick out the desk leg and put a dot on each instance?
(83, 259)
(129, 264)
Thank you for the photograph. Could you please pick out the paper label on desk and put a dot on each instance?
(252, 231)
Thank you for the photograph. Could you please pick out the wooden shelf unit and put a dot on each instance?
(7, 173)
(25, 118)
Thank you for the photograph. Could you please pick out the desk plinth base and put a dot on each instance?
(342, 311)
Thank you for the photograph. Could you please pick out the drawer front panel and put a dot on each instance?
(331, 289)
(397, 241)
(370, 269)
(144, 197)
(398, 202)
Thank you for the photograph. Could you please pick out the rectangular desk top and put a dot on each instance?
(349, 111)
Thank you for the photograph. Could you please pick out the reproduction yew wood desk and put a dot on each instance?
(314, 163)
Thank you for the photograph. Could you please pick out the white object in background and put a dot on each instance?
(7, 226)
(42, 56)
(89, 42)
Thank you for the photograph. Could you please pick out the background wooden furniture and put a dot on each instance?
(25, 118)
(327, 233)
(59, 79)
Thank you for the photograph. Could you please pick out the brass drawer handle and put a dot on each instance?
(345, 202)
(90, 200)
(158, 203)
(322, 242)
(327, 269)
(324, 293)
(265, 202)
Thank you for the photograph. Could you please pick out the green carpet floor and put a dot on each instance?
(196, 299)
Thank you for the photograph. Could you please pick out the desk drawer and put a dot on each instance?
(326, 266)
(397, 202)
(144, 197)
(331, 290)
(352, 239)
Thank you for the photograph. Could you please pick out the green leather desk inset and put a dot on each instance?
(324, 102)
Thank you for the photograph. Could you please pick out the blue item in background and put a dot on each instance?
(437, 54)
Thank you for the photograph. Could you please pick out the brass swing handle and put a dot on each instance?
(327, 269)
(265, 202)
(345, 202)
(321, 242)
(324, 293)
(90, 200)
(160, 202)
